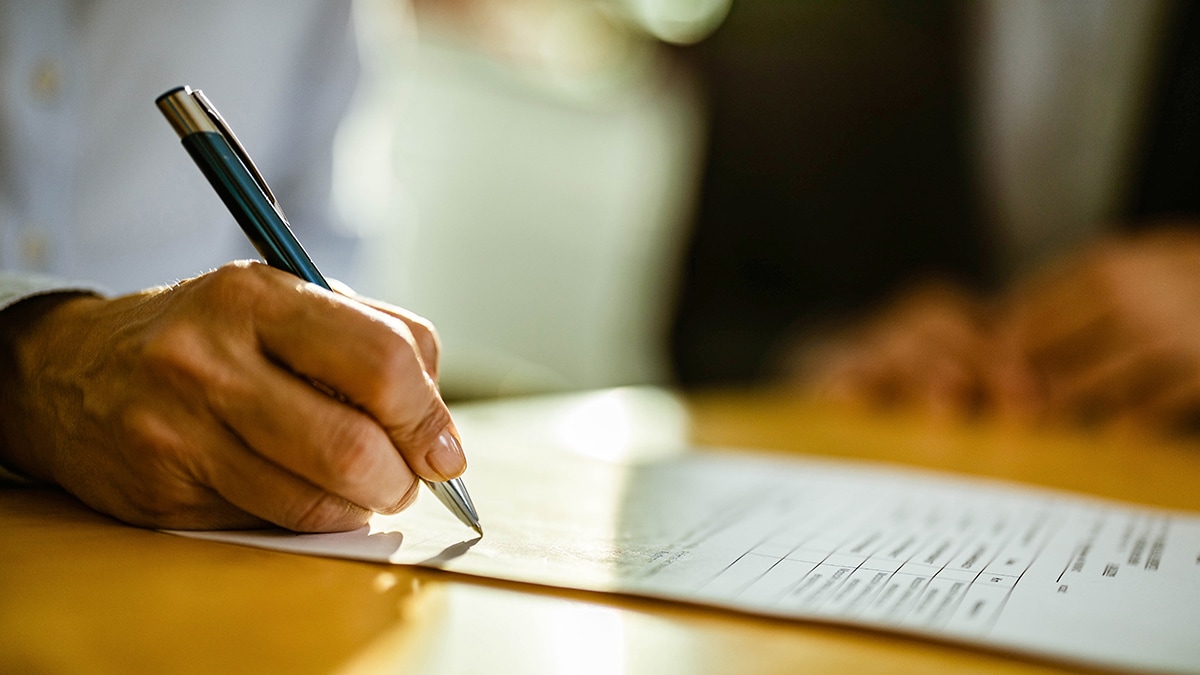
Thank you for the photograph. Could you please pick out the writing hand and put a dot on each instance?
(193, 406)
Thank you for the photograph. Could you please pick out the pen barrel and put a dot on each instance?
(259, 219)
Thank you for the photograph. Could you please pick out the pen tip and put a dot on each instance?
(478, 529)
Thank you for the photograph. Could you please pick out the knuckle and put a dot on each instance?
(431, 424)
(180, 356)
(428, 342)
(240, 283)
(242, 273)
(154, 439)
(172, 347)
(234, 276)
(394, 361)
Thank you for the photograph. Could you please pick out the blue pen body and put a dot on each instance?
(258, 218)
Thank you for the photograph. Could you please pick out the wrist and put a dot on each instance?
(31, 332)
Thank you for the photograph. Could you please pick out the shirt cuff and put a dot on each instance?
(17, 287)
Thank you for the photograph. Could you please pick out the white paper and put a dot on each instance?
(974, 561)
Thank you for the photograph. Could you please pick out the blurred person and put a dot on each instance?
(191, 404)
(1015, 133)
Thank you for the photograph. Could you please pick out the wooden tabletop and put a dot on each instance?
(80, 592)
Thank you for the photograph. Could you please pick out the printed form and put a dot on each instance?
(967, 560)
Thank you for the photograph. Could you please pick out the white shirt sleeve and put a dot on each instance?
(17, 287)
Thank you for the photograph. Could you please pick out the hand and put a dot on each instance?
(194, 406)
(928, 350)
(1113, 335)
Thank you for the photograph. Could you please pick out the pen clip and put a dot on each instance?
(234, 143)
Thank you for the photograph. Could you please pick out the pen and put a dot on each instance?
(227, 166)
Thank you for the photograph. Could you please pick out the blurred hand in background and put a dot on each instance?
(1107, 336)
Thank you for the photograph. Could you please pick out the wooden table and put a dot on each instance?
(82, 593)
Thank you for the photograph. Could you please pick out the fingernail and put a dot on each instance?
(447, 457)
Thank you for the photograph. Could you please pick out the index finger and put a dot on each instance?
(424, 334)
(371, 359)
